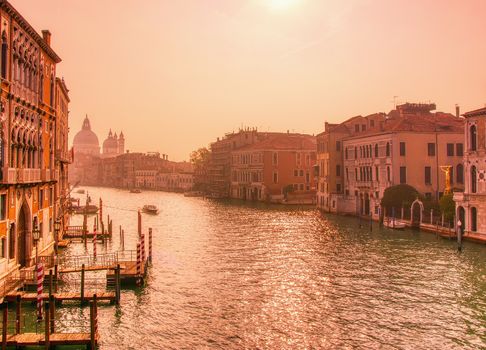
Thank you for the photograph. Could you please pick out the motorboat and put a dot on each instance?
(394, 224)
(81, 191)
(135, 190)
(88, 209)
(194, 194)
(150, 209)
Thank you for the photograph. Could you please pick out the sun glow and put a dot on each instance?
(280, 5)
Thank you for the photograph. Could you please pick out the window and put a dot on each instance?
(275, 177)
(372, 123)
(363, 127)
(296, 172)
(473, 138)
(338, 188)
(377, 172)
(402, 148)
(4, 55)
(301, 173)
(347, 174)
(356, 128)
(3, 207)
(459, 149)
(338, 170)
(346, 153)
(355, 152)
(403, 175)
(376, 150)
(387, 149)
(338, 146)
(41, 198)
(474, 219)
(431, 149)
(301, 187)
(11, 248)
(428, 175)
(2, 247)
(460, 174)
(473, 179)
(356, 174)
(307, 177)
(275, 158)
(450, 150)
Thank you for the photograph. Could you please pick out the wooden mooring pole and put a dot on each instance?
(93, 318)
(52, 312)
(4, 325)
(18, 312)
(150, 245)
(117, 285)
(82, 283)
(47, 326)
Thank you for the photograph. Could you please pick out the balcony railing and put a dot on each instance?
(45, 175)
(14, 175)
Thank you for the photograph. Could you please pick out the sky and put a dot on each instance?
(176, 74)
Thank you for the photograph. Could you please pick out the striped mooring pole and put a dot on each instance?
(150, 245)
(139, 224)
(94, 242)
(139, 262)
(142, 244)
(40, 283)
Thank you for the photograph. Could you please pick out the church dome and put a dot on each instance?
(86, 137)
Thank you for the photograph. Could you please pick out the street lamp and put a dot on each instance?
(36, 237)
(57, 228)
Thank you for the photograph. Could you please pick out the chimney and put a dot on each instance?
(458, 113)
(46, 35)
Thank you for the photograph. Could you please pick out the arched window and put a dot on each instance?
(387, 149)
(460, 174)
(376, 150)
(473, 179)
(4, 55)
(474, 219)
(346, 153)
(11, 242)
(41, 86)
(52, 91)
(473, 137)
(355, 152)
(388, 174)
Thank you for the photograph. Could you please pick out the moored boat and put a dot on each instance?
(194, 194)
(89, 209)
(81, 191)
(135, 190)
(150, 209)
(394, 224)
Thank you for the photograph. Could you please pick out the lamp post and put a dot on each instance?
(57, 227)
(36, 237)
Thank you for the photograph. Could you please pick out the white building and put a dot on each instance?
(472, 202)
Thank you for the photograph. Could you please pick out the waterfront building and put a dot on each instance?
(409, 147)
(63, 154)
(278, 168)
(472, 201)
(32, 150)
(86, 141)
(330, 188)
(219, 167)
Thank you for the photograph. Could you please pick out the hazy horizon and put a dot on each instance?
(174, 76)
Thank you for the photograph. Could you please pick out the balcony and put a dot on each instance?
(19, 176)
(63, 156)
(45, 175)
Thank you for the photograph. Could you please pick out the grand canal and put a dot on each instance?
(229, 275)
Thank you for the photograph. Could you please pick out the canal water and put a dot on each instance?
(232, 275)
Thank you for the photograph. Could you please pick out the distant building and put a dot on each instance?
(278, 168)
(113, 145)
(472, 202)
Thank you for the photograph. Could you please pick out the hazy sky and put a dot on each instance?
(176, 74)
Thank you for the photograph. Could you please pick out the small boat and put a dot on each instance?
(89, 209)
(394, 223)
(150, 209)
(81, 191)
(194, 194)
(135, 190)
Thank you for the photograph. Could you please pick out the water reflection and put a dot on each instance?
(232, 275)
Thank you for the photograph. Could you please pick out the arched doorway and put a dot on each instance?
(367, 204)
(417, 210)
(24, 246)
(461, 214)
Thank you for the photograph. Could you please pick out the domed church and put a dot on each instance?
(86, 141)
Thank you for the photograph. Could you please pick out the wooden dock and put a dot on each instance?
(34, 339)
(60, 297)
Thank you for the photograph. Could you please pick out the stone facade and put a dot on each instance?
(471, 204)
(278, 168)
(33, 149)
